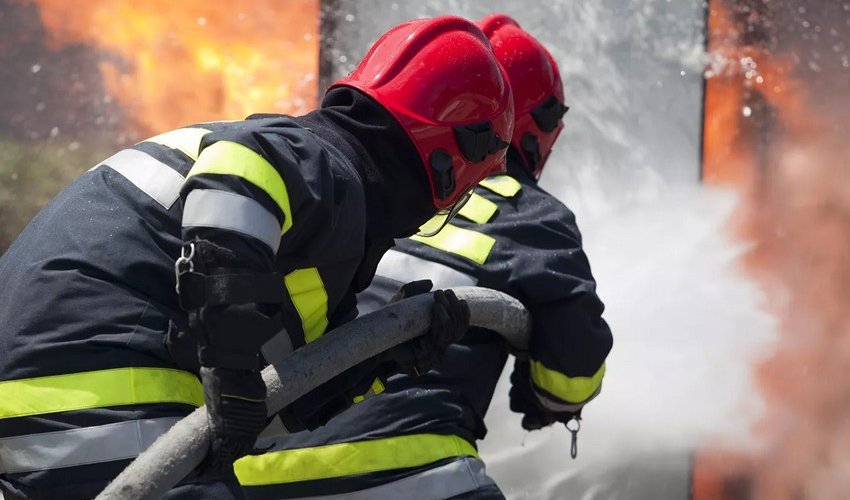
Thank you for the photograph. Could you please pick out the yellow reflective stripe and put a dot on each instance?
(569, 389)
(187, 140)
(348, 459)
(230, 158)
(478, 209)
(98, 389)
(376, 388)
(503, 185)
(308, 294)
(473, 245)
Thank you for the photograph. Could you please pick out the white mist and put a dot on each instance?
(687, 329)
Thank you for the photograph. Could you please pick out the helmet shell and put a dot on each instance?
(434, 76)
(537, 88)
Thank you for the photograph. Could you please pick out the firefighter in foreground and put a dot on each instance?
(276, 221)
(417, 439)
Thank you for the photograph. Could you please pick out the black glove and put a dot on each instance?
(234, 391)
(524, 400)
(449, 322)
(237, 414)
(411, 289)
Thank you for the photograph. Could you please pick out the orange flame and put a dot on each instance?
(170, 63)
(739, 78)
(796, 211)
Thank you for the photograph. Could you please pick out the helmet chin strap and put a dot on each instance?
(443, 217)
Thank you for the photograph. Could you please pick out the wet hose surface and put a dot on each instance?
(176, 453)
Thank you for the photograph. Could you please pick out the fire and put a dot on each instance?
(747, 88)
(170, 63)
(767, 133)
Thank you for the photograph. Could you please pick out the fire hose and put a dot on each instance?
(176, 453)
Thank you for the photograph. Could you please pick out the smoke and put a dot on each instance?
(50, 91)
(169, 63)
(790, 153)
(800, 217)
(687, 330)
(81, 79)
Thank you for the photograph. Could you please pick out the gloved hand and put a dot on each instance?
(236, 412)
(449, 322)
(524, 400)
(411, 289)
(234, 391)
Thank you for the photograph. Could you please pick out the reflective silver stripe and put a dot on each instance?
(86, 445)
(462, 475)
(231, 212)
(154, 178)
(405, 268)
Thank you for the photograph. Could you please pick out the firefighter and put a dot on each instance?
(150, 284)
(417, 439)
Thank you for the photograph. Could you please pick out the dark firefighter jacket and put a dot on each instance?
(88, 289)
(514, 237)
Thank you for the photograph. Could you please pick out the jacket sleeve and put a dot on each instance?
(570, 339)
(246, 185)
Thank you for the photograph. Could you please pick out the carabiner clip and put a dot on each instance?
(183, 264)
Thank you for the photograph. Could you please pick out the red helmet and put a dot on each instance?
(440, 80)
(536, 83)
